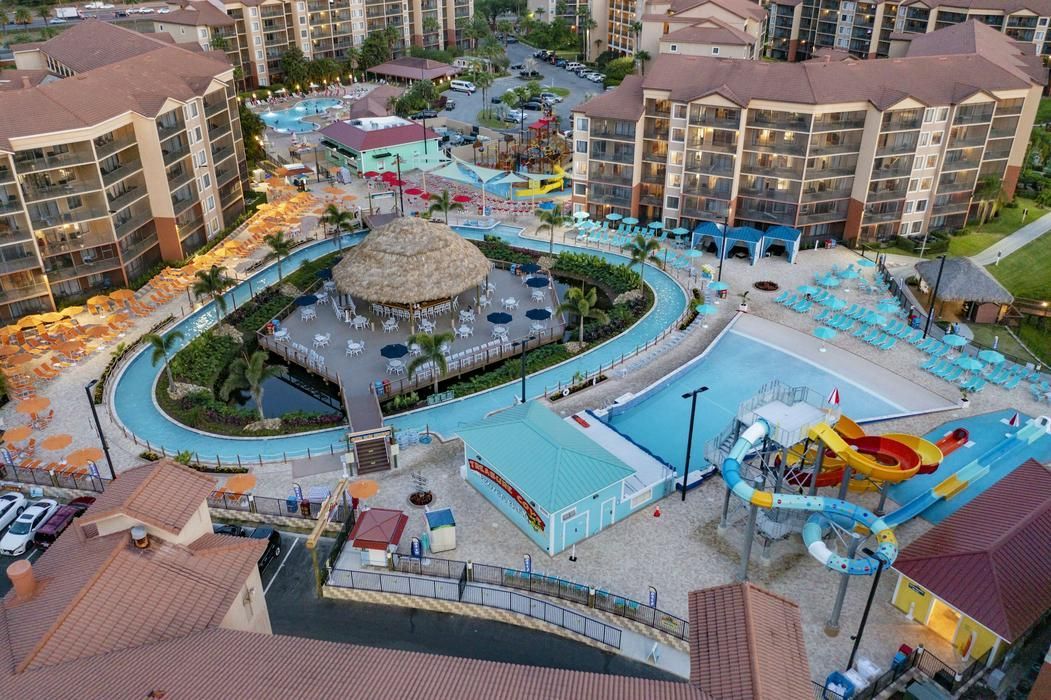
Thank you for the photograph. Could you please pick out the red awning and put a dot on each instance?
(377, 528)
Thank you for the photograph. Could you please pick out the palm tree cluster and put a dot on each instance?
(643, 250)
(443, 203)
(582, 305)
(340, 220)
(250, 373)
(212, 283)
(431, 351)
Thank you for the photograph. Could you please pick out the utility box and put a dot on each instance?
(441, 527)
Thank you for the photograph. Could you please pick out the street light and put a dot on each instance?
(689, 437)
(98, 426)
(934, 296)
(868, 606)
(523, 343)
(397, 163)
(722, 250)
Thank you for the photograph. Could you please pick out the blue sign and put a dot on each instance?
(653, 597)
(416, 548)
(528, 563)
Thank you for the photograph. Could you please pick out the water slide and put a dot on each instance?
(555, 182)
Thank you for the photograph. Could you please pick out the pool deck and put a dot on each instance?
(648, 469)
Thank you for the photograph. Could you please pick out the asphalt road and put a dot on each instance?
(294, 610)
(580, 90)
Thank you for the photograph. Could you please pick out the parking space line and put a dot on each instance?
(34, 553)
(281, 566)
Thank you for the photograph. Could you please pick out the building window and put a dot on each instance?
(197, 134)
(302, 20)
(943, 114)
(715, 50)
(925, 139)
(679, 134)
(259, 54)
(931, 162)
(674, 48)
(200, 159)
(925, 183)
(679, 111)
(211, 202)
(302, 33)
(258, 41)
(936, 138)
(206, 181)
(909, 206)
(928, 115)
(913, 185)
(580, 188)
(671, 202)
(255, 26)
(213, 226)
(569, 514)
(191, 110)
(921, 205)
(253, 11)
(917, 162)
(916, 226)
(582, 146)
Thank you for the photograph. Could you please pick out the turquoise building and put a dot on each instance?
(370, 143)
(559, 481)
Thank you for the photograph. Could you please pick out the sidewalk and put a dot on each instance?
(1028, 233)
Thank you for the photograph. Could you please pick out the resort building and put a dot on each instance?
(976, 578)
(132, 155)
(837, 147)
(256, 34)
(800, 28)
(374, 143)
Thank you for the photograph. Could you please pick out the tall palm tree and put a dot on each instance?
(338, 219)
(582, 305)
(483, 79)
(643, 250)
(430, 351)
(443, 203)
(162, 347)
(642, 57)
(212, 283)
(250, 373)
(44, 13)
(550, 219)
(279, 246)
(636, 29)
(23, 16)
(4, 21)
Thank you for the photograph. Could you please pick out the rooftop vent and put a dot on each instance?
(139, 537)
(22, 579)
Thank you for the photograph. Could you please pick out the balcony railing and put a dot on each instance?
(949, 208)
(973, 117)
(612, 156)
(178, 179)
(1002, 133)
(120, 172)
(779, 147)
(135, 249)
(220, 105)
(27, 292)
(224, 175)
(58, 160)
(10, 206)
(794, 173)
(111, 146)
(821, 217)
(717, 122)
(889, 171)
(87, 240)
(780, 123)
(710, 145)
(886, 195)
(126, 226)
(181, 204)
(6, 174)
(26, 262)
(895, 148)
(831, 149)
(902, 123)
(33, 194)
(126, 197)
(610, 199)
(771, 194)
(602, 133)
(881, 216)
(221, 154)
(823, 173)
(60, 273)
(825, 195)
(960, 164)
(168, 130)
(69, 217)
(653, 178)
(175, 153)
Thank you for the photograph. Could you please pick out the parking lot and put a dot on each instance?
(580, 90)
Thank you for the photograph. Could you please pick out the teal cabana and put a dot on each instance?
(757, 242)
(782, 235)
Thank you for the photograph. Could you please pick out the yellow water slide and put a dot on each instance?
(555, 182)
(877, 457)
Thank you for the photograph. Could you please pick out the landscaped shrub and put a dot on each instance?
(536, 360)
(205, 359)
(255, 314)
(617, 278)
(496, 249)
(306, 275)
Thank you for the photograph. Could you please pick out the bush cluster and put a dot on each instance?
(616, 278)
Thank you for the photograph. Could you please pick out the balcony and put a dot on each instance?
(175, 153)
(655, 134)
(960, 164)
(791, 173)
(781, 123)
(825, 195)
(111, 146)
(889, 171)
(10, 206)
(69, 271)
(951, 187)
(25, 262)
(873, 217)
(30, 164)
(51, 247)
(997, 152)
(653, 178)
(831, 149)
(610, 178)
(821, 217)
(902, 123)
(132, 194)
(6, 174)
(758, 214)
(781, 148)
(13, 294)
(126, 226)
(179, 178)
(69, 217)
(33, 194)
(221, 154)
(886, 195)
(894, 148)
(111, 177)
(220, 105)
(732, 123)
(973, 116)
(181, 204)
(712, 167)
(167, 130)
(612, 156)
(711, 145)
(598, 132)
(719, 192)
(655, 155)
(771, 194)
(950, 208)
(136, 249)
(224, 175)
(1003, 133)
(612, 200)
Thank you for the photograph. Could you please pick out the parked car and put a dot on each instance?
(468, 139)
(512, 40)
(47, 533)
(532, 105)
(82, 503)
(11, 506)
(530, 75)
(596, 78)
(495, 99)
(450, 105)
(273, 544)
(560, 63)
(517, 66)
(514, 116)
(57, 20)
(121, 13)
(550, 97)
(462, 86)
(426, 114)
(540, 53)
(21, 532)
(573, 66)
(232, 530)
(163, 11)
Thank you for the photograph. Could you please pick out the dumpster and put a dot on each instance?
(441, 528)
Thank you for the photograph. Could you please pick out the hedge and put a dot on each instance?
(617, 278)
(205, 359)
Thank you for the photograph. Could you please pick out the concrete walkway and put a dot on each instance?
(1027, 234)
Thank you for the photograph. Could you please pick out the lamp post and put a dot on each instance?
(524, 344)
(98, 426)
(868, 606)
(689, 436)
(722, 249)
(397, 164)
(934, 297)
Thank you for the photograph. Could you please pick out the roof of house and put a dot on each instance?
(624, 102)
(989, 558)
(19, 79)
(91, 44)
(374, 104)
(1041, 8)
(222, 663)
(543, 456)
(962, 280)
(411, 68)
(710, 31)
(164, 494)
(741, 8)
(747, 643)
(378, 527)
(941, 68)
(101, 594)
(360, 140)
(197, 14)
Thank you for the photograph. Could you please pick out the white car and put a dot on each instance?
(56, 20)
(550, 98)
(597, 78)
(21, 532)
(163, 11)
(11, 506)
(146, 11)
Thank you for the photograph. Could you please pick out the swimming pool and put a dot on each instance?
(733, 369)
(133, 401)
(291, 120)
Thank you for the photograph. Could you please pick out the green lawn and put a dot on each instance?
(1043, 113)
(1037, 339)
(984, 334)
(560, 91)
(972, 243)
(492, 122)
(1025, 271)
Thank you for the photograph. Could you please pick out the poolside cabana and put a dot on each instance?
(980, 298)
(785, 236)
(411, 69)
(734, 236)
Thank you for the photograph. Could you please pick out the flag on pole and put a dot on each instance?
(833, 398)
(1015, 421)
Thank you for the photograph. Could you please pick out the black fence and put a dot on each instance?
(462, 592)
(285, 507)
(341, 539)
(920, 659)
(429, 566)
(634, 610)
(45, 477)
(536, 583)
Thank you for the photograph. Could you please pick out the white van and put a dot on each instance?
(573, 65)
(462, 86)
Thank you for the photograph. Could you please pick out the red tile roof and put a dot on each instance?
(378, 527)
(164, 494)
(411, 68)
(747, 644)
(360, 140)
(990, 559)
(710, 31)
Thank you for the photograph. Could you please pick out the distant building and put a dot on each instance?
(371, 143)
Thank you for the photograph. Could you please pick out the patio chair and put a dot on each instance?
(953, 374)
(878, 339)
(823, 315)
(943, 370)
(1012, 382)
(940, 349)
(889, 343)
(929, 364)
(967, 383)
(861, 331)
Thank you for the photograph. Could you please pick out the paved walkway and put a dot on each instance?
(1027, 234)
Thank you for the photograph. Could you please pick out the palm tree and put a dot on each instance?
(443, 203)
(988, 192)
(338, 219)
(636, 29)
(642, 250)
(23, 17)
(250, 373)
(4, 21)
(279, 246)
(642, 57)
(212, 283)
(430, 351)
(550, 219)
(44, 13)
(484, 80)
(582, 305)
(162, 347)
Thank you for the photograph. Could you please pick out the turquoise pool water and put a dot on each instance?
(734, 369)
(291, 120)
(135, 408)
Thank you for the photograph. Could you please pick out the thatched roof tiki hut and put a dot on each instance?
(410, 263)
(980, 297)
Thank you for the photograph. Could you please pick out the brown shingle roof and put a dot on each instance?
(17, 79)
(1041, 8)
(741, 8)
(412, 68)
(375, 103)
(164, 494)
(624, 102)
(710, 31)
(747, 644)
(92, 44)
(197, 14)
(990, 558)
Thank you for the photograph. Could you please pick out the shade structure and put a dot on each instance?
(96, 331)
(100, 300)
(877, 319)
(57, 442)
(630, 221)
(807, 289)
(990, 356)
(33, 405)
(955, 341)
(498, 317)
(529, 268)
(546, 206)
(240, 483)
(370, 174)
(865, 262)
(829, 281)
(414, 191)
(835, 303)
(32, 320)
(366, 488)
(718, 286)
(538, 314)
(78, 458)
(962, 280)
(538, 282)
(581, 215)
(679, 231)
(655, 225)
(824, 332)
(396, 182)
(409, 261)
(693, 253)
(17, 433)
(51, 317)
(71, 311)
(613, 216)
(394, 351)
(306, 300)
(971, 364)
(122, 294)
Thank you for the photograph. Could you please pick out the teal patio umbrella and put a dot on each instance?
(990, 356)
(865, 262)
(630, 221)
(613, 216)
(955, 341)
(705, 310)
(969, 363)
(824, 333)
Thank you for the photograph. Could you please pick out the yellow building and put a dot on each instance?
(981, 579)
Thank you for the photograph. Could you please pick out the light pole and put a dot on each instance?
(689, 436)
(722, 249)
(524, 343)
(98, 426)
(868, 606)
(934, 297)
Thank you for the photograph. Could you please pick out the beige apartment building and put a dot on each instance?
(801, 28)
(256, 33)
(837, 147)
(133, 156)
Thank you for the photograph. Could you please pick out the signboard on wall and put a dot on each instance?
(534, 518)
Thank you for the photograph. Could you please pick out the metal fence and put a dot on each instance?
(46, 477)
(922, 660)
(462, 592)
(284, 507)
(429, 566)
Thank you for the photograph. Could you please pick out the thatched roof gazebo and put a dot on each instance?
(983, 297)
(410, 261)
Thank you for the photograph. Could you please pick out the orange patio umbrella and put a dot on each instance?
(99, 300)
(96, 331)
(33, 405)
(366, 488)
(81, 457)
(71, 311)
(29, 321)
(117, 318)
(349, 197)
(51, 317)
(240, 483)
(122, 295)
(332, 190)
(68, 346)
(19, 359)
(57, 442)
(18, 433)
(9, 350)
(10, 330)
